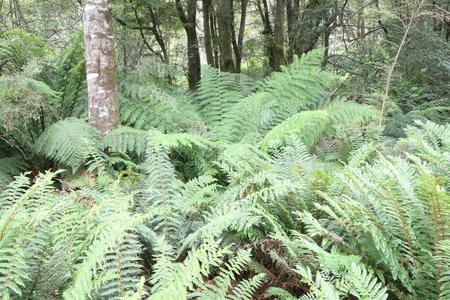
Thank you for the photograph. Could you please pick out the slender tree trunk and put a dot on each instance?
(100, 65)
(215, 42)
(267, 31)
(278, 35)
(326, 50)
(189, 23)
(225, 23)
(156, 30)
(238, 43)
(292, 13)
(360, 23)
(207, 32)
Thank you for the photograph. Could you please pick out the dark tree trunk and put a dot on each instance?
(189, 22)
(225, 23)
(207, 32)
(267, 31)
(215, 42)
(308, 32)
(326, 45)
(292, 12)
(156, 30)
(278, 36)
(238, 43)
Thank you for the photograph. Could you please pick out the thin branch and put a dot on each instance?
(141, 31)
(394, 63)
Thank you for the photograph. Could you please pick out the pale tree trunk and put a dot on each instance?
(100, 65)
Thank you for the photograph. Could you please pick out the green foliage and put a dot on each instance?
(147, 105)
(17, 47)
(69, 142)
(233, 113)
(88, 243)
(310, 124)
(175, 280)
(26, 108)
(442, 260)
(70, 78)
(9, 167)
(381, 215)
(216, 94)
(234, 191)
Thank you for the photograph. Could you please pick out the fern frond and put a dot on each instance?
(310, 124)
(175, 140)
(86, 279)
(217, 92)
(301, 86)
(17, 222)
(246, 288)
(219, 219)
(228, 274)
(141, 115)
(443, 261)
(282, 294)
(125, 264)
(126, 140)
(68, 142)
(178, 279)
(9, 167)
(365, 284)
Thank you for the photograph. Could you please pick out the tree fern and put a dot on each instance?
(9, 167)
(141, 115)
(126, 140)
(178, 115)
(216, 94)
(301, 86)
(136, 141)
(69, 142)
(310, 124)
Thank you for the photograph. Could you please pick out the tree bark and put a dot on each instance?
(189, 23)
(156, 30)
(292, 14)
(326, 50)
(215, 42)
(278, 35)
(225, 23)
(267, 31)
(101, 71)
(360, 22)
(207, 32)
(308, 32)
(238, 43)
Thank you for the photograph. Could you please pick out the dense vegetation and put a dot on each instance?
(317, 173)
